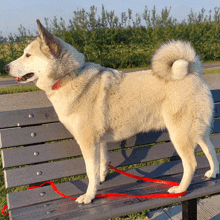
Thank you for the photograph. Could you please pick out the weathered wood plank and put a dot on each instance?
(44, 152)
(217, 110)
(216, 95)
(147, 138)
(27, 117)
(216, 126)
(56, 131)
(43, 172)
(31, 135)
(39, 153)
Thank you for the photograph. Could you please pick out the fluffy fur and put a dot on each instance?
(103, 105)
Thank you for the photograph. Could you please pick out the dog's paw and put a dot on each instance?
(211, 174)
(86, 199)
(175, 189)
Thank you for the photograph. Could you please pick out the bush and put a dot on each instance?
(10, 52)
(128, 42)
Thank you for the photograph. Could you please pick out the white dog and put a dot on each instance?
(100, 105)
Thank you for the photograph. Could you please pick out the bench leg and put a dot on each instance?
(189, 209)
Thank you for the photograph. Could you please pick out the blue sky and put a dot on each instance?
(25, 12)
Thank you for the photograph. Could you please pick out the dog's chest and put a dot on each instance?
(62, 105)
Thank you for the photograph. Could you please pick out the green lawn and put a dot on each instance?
(211, 70)
(18, 89)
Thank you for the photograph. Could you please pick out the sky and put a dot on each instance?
(25, 12)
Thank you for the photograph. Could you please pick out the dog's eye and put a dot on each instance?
(28, 55)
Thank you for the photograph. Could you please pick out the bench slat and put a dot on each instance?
(216, 95)
(39, 153)
(102, 209)
(217, 110)
(43, 172)
(59, 169)
(44, 152)
(74, 188)
(56, 131)
(147, 138)
(27, 117)
(160, 136)
(216, 126)
(36, 134)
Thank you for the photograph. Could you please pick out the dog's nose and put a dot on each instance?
(6, 69)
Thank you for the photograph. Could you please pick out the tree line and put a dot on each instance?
(127, 41)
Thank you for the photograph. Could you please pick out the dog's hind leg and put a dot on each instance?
(91, 156)
(104, 161)
(184, 146)
(186, 153)
(210, 153)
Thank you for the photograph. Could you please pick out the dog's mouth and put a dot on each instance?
(24, 78)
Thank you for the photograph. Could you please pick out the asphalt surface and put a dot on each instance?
(29, 100)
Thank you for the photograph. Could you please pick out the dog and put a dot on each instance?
(100, 105)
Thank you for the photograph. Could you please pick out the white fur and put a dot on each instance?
(104, 105)
(180, 69)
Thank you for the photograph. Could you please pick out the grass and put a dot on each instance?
(18, 89)
(211, 70)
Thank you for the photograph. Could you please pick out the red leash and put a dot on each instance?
(102, 195)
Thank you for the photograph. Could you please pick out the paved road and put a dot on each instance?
(4, 82)
(211, 65)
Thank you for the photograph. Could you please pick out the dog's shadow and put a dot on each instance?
(139, 155)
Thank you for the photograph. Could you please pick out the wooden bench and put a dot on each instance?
(30, 143)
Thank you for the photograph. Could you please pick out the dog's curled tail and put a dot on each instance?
(174, 60)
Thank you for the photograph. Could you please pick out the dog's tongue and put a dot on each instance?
(19, 79)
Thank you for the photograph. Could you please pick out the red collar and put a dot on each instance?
(63, 81)
(58, 84)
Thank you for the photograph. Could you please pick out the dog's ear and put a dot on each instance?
(49, 44)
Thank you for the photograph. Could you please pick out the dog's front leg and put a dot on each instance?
(91, 156)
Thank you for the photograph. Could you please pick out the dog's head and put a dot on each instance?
(45, 60)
